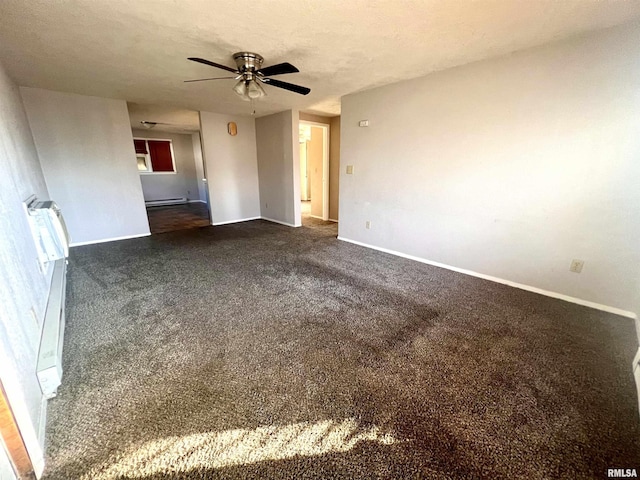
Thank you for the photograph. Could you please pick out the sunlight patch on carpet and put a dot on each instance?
(239, 447)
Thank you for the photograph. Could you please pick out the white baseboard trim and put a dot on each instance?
(104, 240)
(280, 222)
(196, 201)
(316, 216)
(332, 220)
(168, 201)
(560, 296)
(217, 224)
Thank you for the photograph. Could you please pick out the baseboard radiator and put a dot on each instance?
(168, 201)
(49, 367)
(52, 243)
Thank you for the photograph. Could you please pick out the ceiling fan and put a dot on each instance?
(250, 75)
(147, 124)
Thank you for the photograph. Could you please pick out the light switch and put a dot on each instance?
(363, 123)
(349, 169)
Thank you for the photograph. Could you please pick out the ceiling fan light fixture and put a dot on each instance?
(255, 90)
(241, 90)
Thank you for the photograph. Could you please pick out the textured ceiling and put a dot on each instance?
(137, 50)
(169, 119)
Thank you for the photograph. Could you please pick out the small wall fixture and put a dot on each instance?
(232, 128)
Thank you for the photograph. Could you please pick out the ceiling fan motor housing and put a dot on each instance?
(248, 63)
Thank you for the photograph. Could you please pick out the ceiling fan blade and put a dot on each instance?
(205, 79)
(286, 86)
(213, 64)
(279, 69)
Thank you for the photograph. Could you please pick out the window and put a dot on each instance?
(154, 156)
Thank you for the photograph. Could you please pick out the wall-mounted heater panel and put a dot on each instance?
(52, 243)
(49, 231)
(49, 366)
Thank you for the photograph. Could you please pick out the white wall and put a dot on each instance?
(183, 183)
(6, 470)
(279, 167)
(509, 167)
(87, 155)
(196, 145)
(22, 286)
(232, 167)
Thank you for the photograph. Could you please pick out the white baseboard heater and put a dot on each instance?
(49, 367)
(168, 201)
(52, 243)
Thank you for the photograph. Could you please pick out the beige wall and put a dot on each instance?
(509, 167)
(334, 158)
(23, 286)
(86, 151)
(184, 183)
(232, 167)
(278, 148)
(308, 117)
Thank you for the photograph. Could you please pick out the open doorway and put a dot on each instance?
(170, 163)
(314, 171)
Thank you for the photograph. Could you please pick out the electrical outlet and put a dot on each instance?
(576, 266)
(367, 224)
(349, 169)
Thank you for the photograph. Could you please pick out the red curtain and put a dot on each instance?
(160, 152)
(141, 146)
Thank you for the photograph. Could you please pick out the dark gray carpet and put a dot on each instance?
(261, 351)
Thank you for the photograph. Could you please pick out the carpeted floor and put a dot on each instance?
(170, 218)
(257, 350)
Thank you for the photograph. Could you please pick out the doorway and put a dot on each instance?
(170, 162)
(314, 170)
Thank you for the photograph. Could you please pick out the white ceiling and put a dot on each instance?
(169, 119)
(137, 50)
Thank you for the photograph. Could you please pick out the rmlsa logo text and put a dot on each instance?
(622, 473)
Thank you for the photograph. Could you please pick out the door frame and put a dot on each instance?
(13, 442)
(325, 164)
(305, 192)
